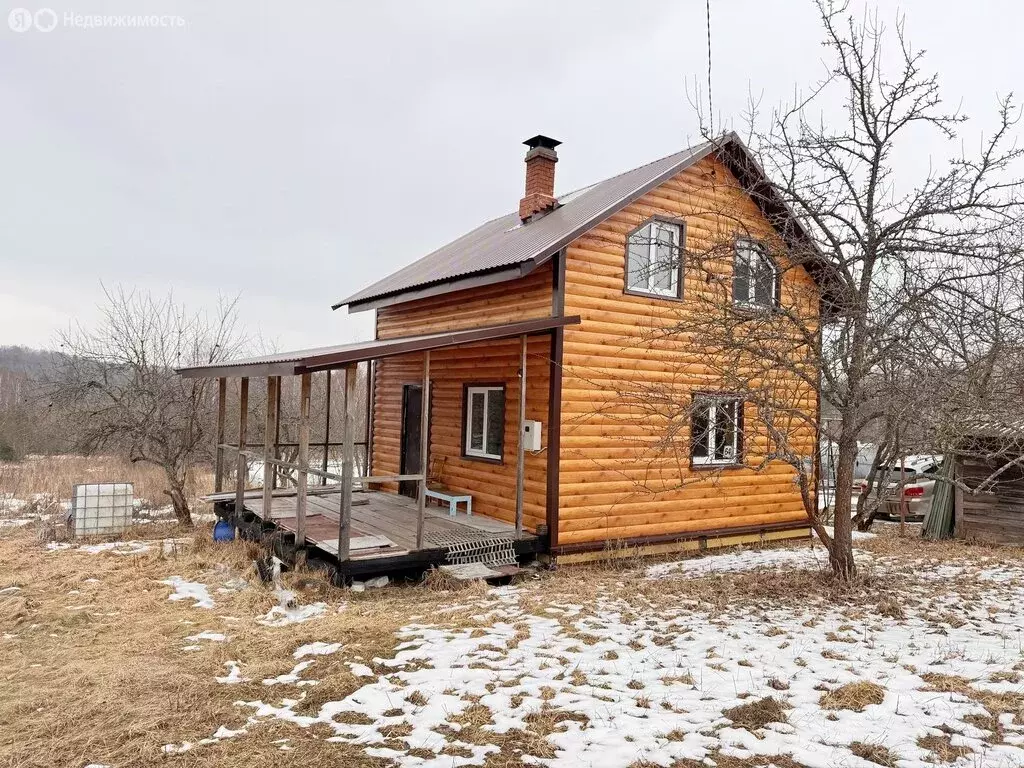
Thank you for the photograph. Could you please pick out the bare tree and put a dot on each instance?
(116, 383)
(904, 257)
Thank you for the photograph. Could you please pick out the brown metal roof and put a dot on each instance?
(324, 358)
(505, 248)
(506, 243)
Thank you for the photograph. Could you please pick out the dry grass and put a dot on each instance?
(54, 476)
(876, 753)
(757, 714)
(126, 681)
(942, 748)
(116, 668)
(948, 683)
(853, 696)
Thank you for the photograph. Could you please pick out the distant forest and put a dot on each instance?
(27, 424)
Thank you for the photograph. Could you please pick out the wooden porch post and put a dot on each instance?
(521, 450)
(421, 501)
(277, 428)
(222, 407)
(300, 496)
(270, 446)
(243, 429)
(327, 426)
(347, 464)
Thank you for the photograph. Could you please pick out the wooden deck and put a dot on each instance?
(383, 526)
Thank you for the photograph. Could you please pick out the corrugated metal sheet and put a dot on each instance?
(505, 242)
(989, 426)
(938, 523)
(324, 358)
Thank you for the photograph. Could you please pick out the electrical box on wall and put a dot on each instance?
(531, 435)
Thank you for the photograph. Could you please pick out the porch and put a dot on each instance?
(383, 532)
(346, 521)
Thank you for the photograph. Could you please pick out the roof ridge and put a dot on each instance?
(493, 247)
(686, 150)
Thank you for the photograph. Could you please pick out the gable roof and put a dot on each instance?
(505, 248)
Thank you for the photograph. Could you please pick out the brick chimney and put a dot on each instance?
(540, 177)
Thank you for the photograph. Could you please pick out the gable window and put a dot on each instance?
(716, 427)
(755, 277)
(654, 262)
(484, 421)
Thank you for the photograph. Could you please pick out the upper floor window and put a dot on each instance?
(755, 277)
(716, 427)
(484, 421)
(654, 263)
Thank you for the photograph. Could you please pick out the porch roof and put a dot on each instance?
(326, 358)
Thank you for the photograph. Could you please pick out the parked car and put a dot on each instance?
(918, 488)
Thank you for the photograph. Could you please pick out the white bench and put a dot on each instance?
(453, 500)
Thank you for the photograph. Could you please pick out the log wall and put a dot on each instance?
(497, 304)
(493, 486)
(996, 517)
(609, 488)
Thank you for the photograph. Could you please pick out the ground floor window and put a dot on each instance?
(484, 421)
(716, 424)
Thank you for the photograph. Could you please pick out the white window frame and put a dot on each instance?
(468, 449)
(753, 247)
(712, 404)
(657, 226)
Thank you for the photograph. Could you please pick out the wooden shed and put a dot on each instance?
(989, 492)
(492, 364)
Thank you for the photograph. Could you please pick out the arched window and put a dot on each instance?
(654, 262)
(755, 280)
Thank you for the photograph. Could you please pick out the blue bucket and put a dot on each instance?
(223, 531)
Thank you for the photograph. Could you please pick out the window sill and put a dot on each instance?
(718, 465)
(484, 459)
(649, 295)
(756, 310)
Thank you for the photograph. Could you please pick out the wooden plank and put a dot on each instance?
(243, 428)
(300, 496)
(269, 446)
(356, 544)
(421, 500)
(404, 537)
(327, 424)
(520, 445)
(222, 406)
(277, 427)
(347, 451)
(279, 493)
(376, 519)
(317, 505)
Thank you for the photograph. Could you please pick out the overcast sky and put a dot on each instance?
(293, 152)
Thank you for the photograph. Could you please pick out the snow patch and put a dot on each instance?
(316, 649)
(293, 676)
(234, 675)
(213, 637)
(743, 560)
(623, 676)
(288, 611)
(189, 590)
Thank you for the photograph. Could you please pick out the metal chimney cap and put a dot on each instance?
(542, 141)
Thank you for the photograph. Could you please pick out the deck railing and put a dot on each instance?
(271, 463)
(303, 490)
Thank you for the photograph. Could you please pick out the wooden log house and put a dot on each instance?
(489, 374)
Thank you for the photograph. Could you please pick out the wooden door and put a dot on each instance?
(411, 461)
